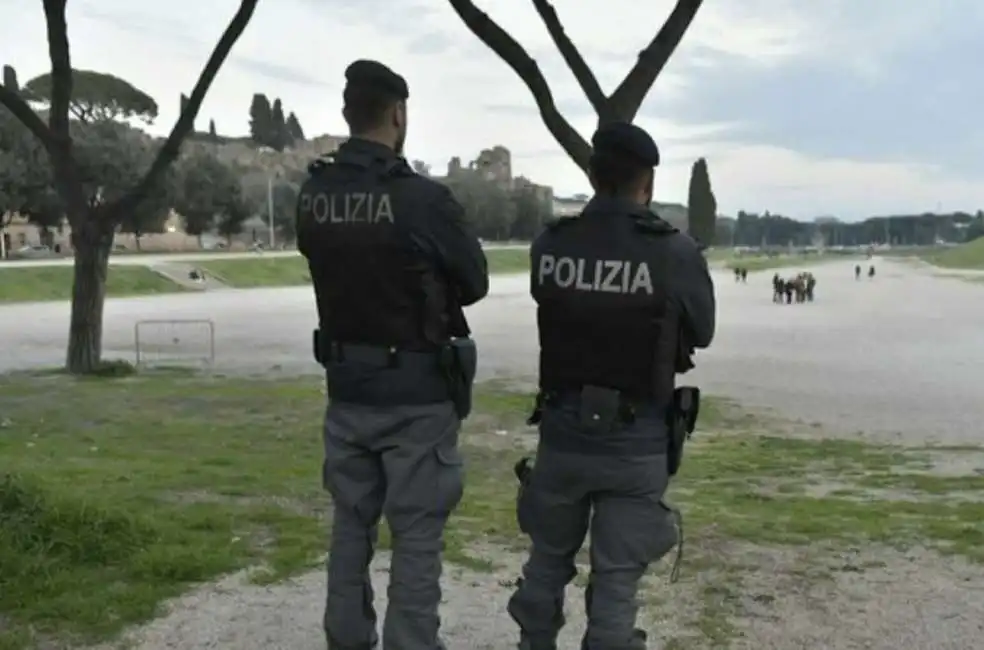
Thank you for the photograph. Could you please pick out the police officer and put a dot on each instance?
(392, 262)
(622, 300)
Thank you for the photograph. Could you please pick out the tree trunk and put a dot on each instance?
(92, 241)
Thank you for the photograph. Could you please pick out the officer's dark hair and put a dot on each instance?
(366, 107)
(617, 173)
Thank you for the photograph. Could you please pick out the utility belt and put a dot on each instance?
(388, 375)
(602, 408)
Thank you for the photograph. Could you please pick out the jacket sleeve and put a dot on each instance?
(693, 288)
(447, 238)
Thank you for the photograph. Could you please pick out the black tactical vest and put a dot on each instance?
(602, 306)
(367, 279)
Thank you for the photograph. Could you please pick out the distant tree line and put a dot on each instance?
(269, 127)
(774, 230)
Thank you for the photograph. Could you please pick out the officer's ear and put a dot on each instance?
(400, 115)
(649, 185)
(593, 180)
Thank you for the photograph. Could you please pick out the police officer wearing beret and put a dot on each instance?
(622, 298)
(392, 262)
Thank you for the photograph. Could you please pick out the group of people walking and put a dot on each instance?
(799, 287)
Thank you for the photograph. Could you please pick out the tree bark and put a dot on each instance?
(92, 242)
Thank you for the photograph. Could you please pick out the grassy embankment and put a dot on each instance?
(42, 283)
(765, 263)
(118, 493)
(966, 256)
(291, 271)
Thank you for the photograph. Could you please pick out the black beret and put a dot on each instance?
(622, 138)
(373, 74)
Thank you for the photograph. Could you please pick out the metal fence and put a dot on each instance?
(175, 343)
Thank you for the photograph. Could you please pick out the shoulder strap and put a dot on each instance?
(560, 222)
(653, 225)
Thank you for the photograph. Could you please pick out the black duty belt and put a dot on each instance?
(627, 406)
(326, 352)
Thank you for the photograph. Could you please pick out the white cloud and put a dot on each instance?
(298, 49)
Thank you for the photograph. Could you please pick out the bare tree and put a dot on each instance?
(94, 224)
(621, 105)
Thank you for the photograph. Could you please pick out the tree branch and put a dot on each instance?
(16, 105)
(81, 114)
(506, 47)
(624, 103)
(61, 73)
(186, 122)
(585, 77)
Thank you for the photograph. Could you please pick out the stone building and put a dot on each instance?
(495, 166)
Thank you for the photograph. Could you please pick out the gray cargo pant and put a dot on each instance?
(619, 500)
(401, 462)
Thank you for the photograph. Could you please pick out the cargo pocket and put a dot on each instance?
(449, 467)
(666, 533)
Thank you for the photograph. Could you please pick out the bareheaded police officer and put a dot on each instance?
(622, 298)
(392, 262)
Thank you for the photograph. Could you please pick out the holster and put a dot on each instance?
(523, 469)
(458, 360)
(682, 420)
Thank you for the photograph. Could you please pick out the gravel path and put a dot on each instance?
(877, 599)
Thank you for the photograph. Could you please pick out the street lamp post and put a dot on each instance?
(270, 209)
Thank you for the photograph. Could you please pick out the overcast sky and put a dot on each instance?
(840, 107)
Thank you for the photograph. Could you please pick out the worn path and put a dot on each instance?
(898, 357)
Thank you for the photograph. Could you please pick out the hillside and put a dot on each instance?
(964, 256)
(243, 151)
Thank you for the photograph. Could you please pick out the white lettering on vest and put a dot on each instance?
(607, 276)
(353, 207)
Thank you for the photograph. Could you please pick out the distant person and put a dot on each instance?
(857, 272)
(811, 283)
(788, 288)
(737, 274)
(777, 288)
(744, 274)
(871, 271)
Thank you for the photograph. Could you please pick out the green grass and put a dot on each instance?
(42, 283)
(965, 256)
(119, 493)
(291, 271)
